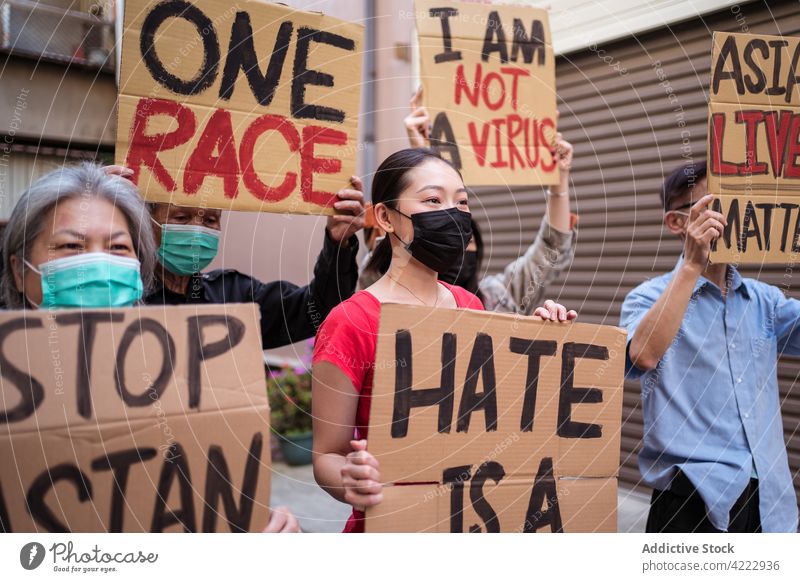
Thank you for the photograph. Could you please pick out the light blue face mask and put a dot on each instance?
(89, 280)
(187, 249)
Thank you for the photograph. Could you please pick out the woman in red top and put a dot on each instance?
(421, 203)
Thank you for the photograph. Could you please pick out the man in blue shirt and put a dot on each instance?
(705, 342)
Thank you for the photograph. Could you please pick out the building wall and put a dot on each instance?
(58, 105)
(51, 111)
(395, 33)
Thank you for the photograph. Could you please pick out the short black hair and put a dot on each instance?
(680, 181)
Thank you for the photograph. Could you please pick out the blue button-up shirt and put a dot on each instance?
(711, 406)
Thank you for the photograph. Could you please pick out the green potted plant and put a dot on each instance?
(289, 392)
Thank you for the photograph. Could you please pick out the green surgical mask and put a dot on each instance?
(187, 249)
(90, 280)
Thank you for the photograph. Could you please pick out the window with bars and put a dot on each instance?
(53, 33)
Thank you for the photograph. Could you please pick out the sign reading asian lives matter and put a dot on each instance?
(754, 147)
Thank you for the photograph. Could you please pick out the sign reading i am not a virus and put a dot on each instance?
(754, 147)
(488, 73)
(487, 422)
(242, 105)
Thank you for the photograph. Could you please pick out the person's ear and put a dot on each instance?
(675, 222)
(381, 212)
(16, 270)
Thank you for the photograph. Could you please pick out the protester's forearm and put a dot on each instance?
(335, 277)
(659, 326)
(328, 474)
(558, 211)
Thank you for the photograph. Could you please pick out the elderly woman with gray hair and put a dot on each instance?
(78, 238)
(81, 237)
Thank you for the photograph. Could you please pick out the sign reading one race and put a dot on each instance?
(488, 74)
(149, 419)
(246, 106)
(495, 423)
(754, 147)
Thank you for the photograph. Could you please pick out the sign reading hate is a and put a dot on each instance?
(754, 147)
(133, 420)
(488, 73)
(242, 105)
(496, 423)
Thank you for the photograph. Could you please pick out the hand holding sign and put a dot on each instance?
(554, 312)
(563, 151)
(120, 171)
(418, 122)
(360, 477)
(704, 226)
(350, 206)
(281, 520)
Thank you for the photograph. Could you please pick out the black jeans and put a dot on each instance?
(680, 509)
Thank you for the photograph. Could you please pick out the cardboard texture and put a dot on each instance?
(242, 106)
(488, 73)
(140, 419)
(583, 505)
(760, 229)
(475, 398)
(754, 145)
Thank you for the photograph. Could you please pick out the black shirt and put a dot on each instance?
(288, 313)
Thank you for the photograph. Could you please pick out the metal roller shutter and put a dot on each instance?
(627, 136)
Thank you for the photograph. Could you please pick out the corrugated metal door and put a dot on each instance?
(634, 110)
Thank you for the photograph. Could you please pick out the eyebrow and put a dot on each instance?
(440, 188)
(70, 232)
(82, 236)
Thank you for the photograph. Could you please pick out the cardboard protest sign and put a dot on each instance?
(489, 422)
(754, 146)
(142, 419)
(243, 106)
(488, 74)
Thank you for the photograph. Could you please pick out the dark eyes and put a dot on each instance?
(79, 246)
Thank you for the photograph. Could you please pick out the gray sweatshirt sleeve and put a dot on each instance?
(521, 286)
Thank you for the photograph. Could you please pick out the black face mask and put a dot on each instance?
(461, 274)
(440, 237)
